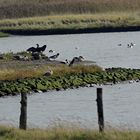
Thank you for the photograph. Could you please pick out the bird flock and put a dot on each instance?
(38, 49)
(35, 51)
(129, 45)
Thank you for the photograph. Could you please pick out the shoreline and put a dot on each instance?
(72, 31)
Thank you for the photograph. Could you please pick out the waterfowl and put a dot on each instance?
(49, 73)
(131, 45)
(76, 59)
(51, 51)
(120, 44)
(31, 49)
(41, 49)
(37, 49)
(54, 56)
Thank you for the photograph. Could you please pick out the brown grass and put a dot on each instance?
(31, 8)
(18, 70)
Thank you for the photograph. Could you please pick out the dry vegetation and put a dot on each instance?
(17, 70)
(26, 8)
(62, 133)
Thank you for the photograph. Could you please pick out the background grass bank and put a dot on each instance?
(68, 16)
(72, 23)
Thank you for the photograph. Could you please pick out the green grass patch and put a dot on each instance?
(4, 34)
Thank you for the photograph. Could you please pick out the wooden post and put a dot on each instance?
(100, 109)
(23, 114)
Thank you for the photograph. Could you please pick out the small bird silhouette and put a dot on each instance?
(51, 51)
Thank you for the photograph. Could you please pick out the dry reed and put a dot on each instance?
(26, 8)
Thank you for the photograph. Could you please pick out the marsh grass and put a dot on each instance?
(65, 133)
(26, 8)
(113, 19)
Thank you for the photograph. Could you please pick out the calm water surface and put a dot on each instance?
(101, 47)
(121, 101)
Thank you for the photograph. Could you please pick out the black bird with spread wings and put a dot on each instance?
(37, 49)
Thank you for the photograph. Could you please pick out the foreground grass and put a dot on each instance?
(52, 24)
(61, 133)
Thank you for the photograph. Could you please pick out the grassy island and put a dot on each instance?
(65, 77)
(28, 72)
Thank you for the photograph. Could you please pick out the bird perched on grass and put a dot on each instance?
(76, 59)
(41, 49)
(37, 49)
(48, 73)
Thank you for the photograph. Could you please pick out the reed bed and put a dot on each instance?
(26, 8)
(66, 133)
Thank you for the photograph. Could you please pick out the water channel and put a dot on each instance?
(78, 106)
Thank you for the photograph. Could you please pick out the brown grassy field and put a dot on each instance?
(32, 8)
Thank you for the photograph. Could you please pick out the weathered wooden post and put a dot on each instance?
(23, 114)
(100, 109)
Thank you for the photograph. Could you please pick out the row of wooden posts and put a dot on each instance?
(23, 113)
